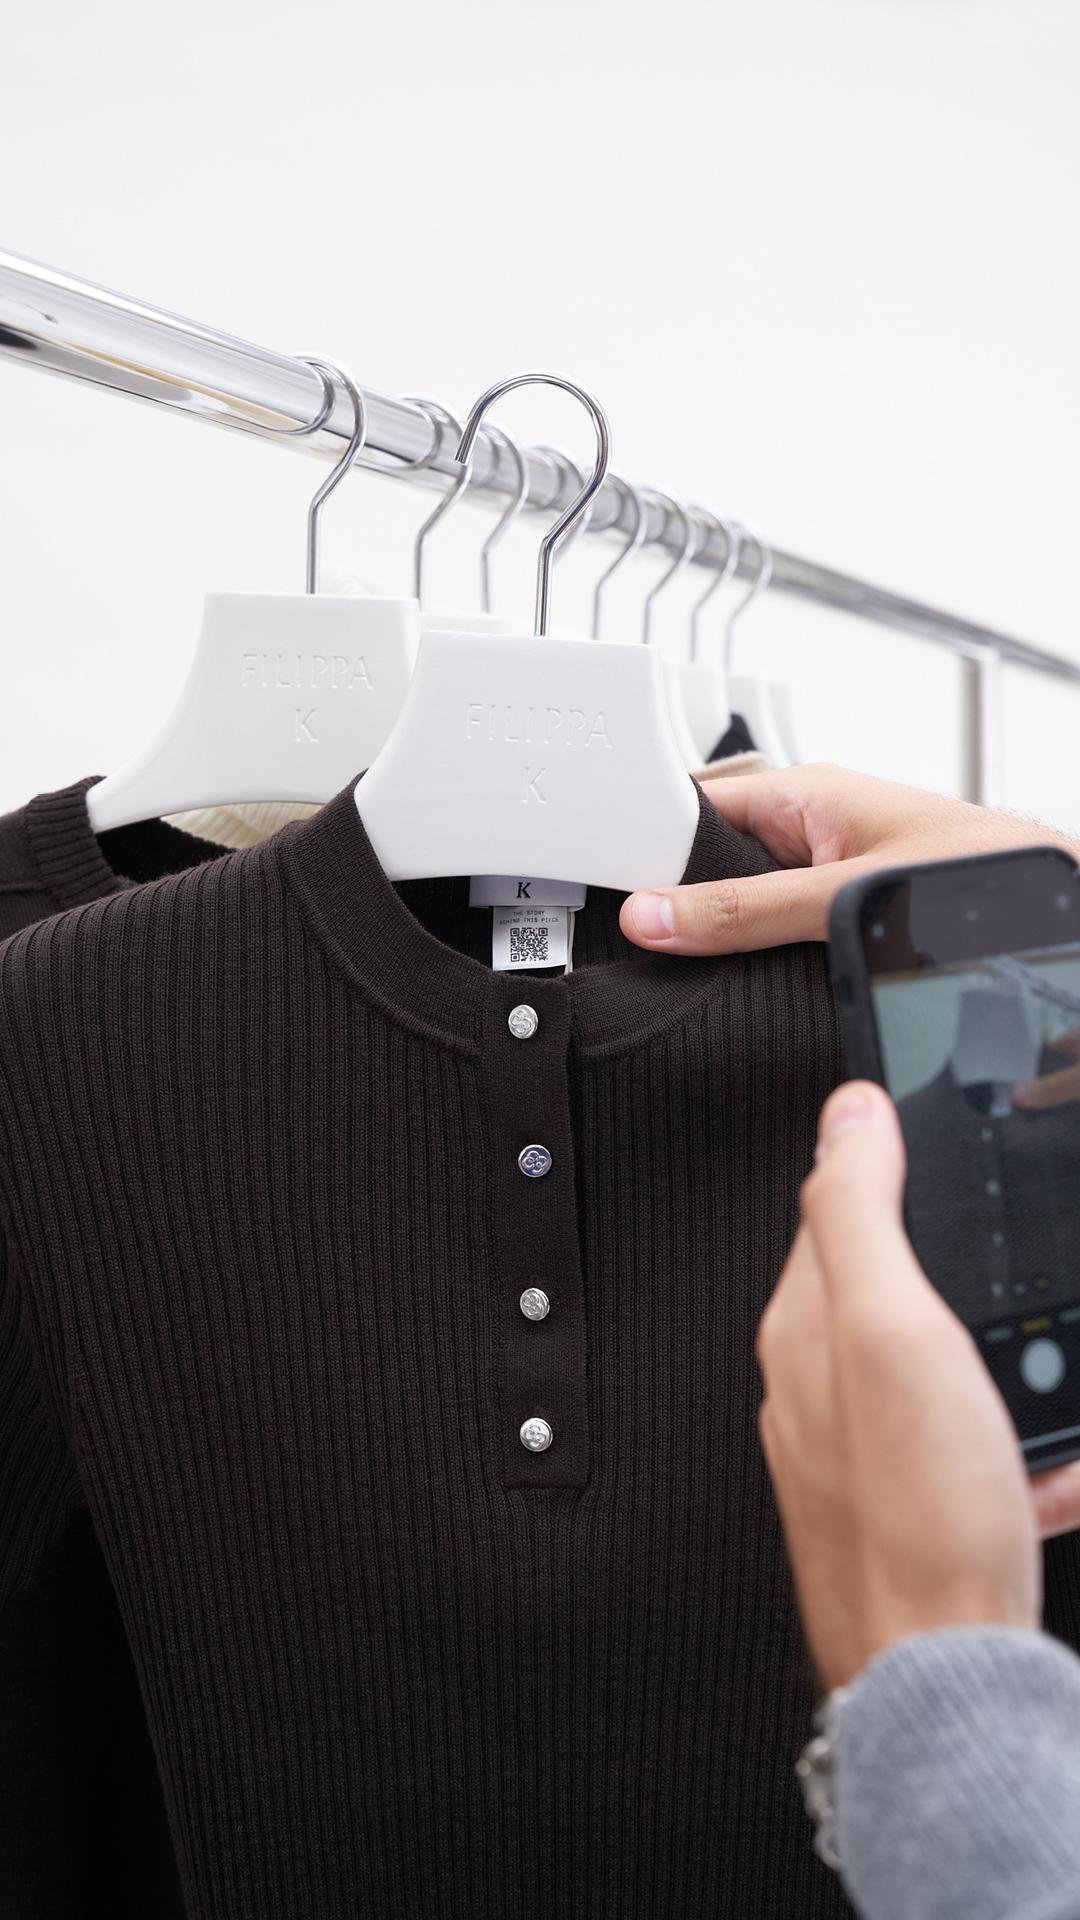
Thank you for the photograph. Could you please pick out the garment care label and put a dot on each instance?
(510, 890)
(529, 937)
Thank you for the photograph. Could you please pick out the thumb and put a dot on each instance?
(1068, 1044)
(852, 1202)
(1052, 1090)
(738, 916)
(1057, 1500)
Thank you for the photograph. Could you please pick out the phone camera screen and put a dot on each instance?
(979, 1039)
(983, 1060)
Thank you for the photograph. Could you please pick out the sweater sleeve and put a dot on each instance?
(958, 1779)
(38, 1477)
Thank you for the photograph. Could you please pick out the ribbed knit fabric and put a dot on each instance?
(958, 1779)
(82, 1819)
(50, 857)
(267, 1235)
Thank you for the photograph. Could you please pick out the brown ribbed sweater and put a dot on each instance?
(266, 1237)
(82, 1819)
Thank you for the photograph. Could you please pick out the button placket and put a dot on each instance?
(998, 1258)
(540, 1421)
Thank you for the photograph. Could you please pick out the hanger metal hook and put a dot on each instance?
(637, 535)
(579, 505)
(438, 415)
(732, 547)
(329, 371)
(308, 427)
(691, 543)
(567, 469)
(509, 514)
(757, 585)
(398, 462)
(418, 461)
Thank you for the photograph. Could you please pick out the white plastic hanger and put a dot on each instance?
(748, 694)
(780, 700)
(784, 715)
(634, 540)
(485, 621)
(996, 1038)
(702, 690)
(673, 669)
(705, 684)
(439, 416)
(533, 755)
(669, 668)
(287, 697)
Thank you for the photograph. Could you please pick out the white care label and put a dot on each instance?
(510, 890)
(529, 937)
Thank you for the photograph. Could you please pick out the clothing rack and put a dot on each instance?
(65, 325)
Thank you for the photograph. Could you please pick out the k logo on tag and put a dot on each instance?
(504, 889)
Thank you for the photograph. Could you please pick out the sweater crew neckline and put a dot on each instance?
(66, 849)
(359, 917)
(73, 861)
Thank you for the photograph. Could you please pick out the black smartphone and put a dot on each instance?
(958, 985)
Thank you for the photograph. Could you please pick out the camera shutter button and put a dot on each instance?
(1042, 1366)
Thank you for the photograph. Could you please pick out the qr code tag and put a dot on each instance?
(529, 946)
(528, 937)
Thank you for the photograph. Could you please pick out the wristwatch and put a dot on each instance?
(816, 1772)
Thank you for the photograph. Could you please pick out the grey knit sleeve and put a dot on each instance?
(957, 1779)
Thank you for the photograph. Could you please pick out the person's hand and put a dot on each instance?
(897, 1469)
(1053, 1089)
(825, 826)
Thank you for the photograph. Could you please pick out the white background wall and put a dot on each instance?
(817, 257)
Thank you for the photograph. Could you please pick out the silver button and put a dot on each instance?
(536, 1435)
(988, 1133)
(535, 1304)
(993, 1187)
(535, 1162)
(998, 1239)
(523, 1022)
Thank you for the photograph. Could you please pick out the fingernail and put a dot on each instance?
(1022, 1090)
(843, 1112)
(653, 916)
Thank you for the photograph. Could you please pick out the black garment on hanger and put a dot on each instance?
(50, 857)
(264, 1325)
(83, 1829)
(1012, 1240)
(737, 739)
